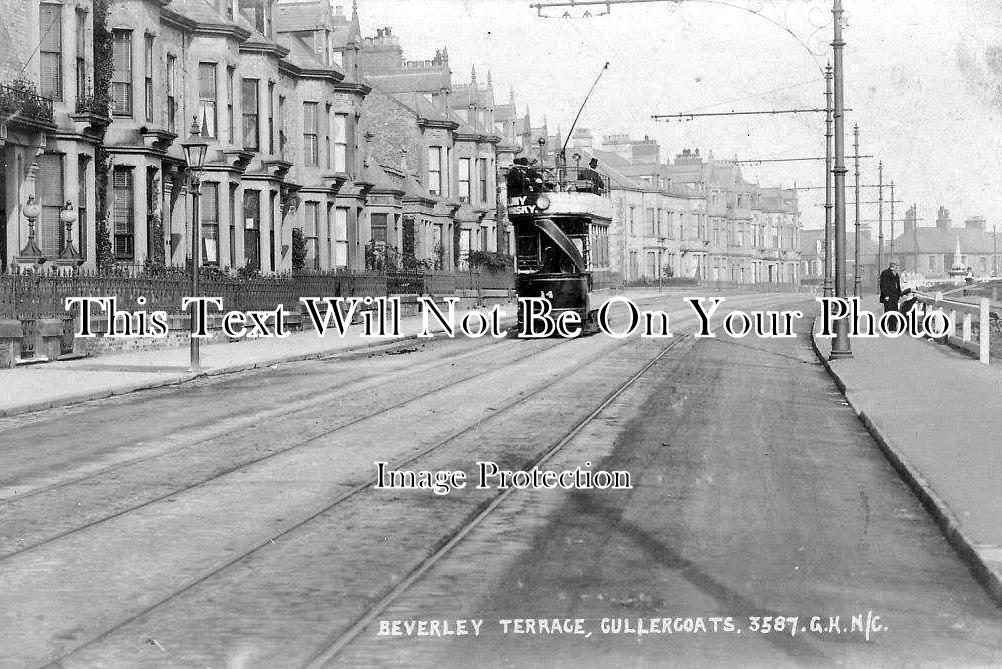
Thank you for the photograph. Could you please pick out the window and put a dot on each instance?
(327, 141)
(340, 237)
(932, 262)
(233, 225)
(271, 117)
(464, 247)
(148, 70)
(231, 73)
(50, 25)
(122, 213)
(257, 12)
(482, 173)
(652, 265)
(271, 229)
(81, 56)
(378, 226)
(435, 170)
(311, 148)
(121, 76)
(311, 234)
(485, 238)
(49, 191)
(171, 93)
(464, 179)
(207, 98)
(340, 142)
(82, 207)
(633, 227)
(248, 105)
(209, 216)
(252, 228)
(281, 123)
(650, 221)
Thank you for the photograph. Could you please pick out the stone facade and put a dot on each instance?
(47, 145)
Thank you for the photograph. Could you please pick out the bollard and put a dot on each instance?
(49, 338)
(10, 342)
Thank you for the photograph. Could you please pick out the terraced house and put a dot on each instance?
(266, 84)
(433, 153)
(48, 136)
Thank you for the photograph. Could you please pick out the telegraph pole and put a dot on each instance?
(880, 218)
(840, 345)
(827, 286)
(858, 278)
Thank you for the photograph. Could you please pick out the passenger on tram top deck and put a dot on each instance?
(589, 174)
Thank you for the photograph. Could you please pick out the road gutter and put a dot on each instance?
(985, 562)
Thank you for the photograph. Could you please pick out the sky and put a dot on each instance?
(923, 80)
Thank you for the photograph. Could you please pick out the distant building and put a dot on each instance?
(931, 251)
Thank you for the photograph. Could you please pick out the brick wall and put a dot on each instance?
(394, 129)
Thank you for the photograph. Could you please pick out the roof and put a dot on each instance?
(201, 11)
(302, 15)
(465, 94)
(423, 80)
(422, 106)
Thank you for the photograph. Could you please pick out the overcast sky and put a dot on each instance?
(923, 77)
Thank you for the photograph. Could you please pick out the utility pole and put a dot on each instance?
(840, 345)
(858, 277)
(892, 224)
(827, 286)
(995, 251)
(880, 218)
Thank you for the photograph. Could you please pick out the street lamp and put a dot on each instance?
(69, 254)
(194, 154)
(31, 255)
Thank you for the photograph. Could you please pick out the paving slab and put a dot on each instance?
(937, 414)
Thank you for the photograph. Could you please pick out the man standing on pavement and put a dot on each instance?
(890, 289)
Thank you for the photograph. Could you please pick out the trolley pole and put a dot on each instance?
(827, 286)
(857, 284)
(840, 345)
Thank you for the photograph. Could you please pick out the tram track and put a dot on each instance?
(288, 409)
(330, 650)
(302, 522)
(448, 385)
(299, 525)
(441, 545)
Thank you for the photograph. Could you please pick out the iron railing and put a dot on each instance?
(20, 102)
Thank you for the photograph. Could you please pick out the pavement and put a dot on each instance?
(52, 384)
(59, 383)
(937, 415)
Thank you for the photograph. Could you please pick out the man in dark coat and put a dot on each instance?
(517, 181)
(589, 174)
(890, 289)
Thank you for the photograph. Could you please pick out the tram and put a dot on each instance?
(561, 226)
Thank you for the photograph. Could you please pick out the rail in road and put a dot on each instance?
(145, 507)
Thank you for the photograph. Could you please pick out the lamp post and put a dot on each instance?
(194, 154)
(68, 216)
(31, 255)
